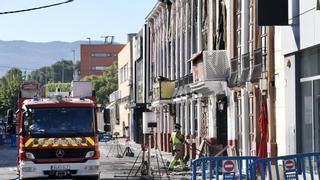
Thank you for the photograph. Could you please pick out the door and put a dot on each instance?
(222, 122)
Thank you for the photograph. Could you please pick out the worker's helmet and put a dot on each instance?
(177, 126)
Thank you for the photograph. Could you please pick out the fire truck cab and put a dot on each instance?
(57, 135)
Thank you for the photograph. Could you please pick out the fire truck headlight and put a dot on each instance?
(28, 169)
(29, 155)
(90, 154)
(92, 168)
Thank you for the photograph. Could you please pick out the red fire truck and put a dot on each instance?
(57, 135)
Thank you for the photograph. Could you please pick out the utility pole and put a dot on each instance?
(75, 77)
(62, 70)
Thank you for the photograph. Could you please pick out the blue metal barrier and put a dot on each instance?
(298, 166)
(225, 167)
(8, 139)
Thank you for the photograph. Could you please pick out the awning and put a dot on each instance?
(110, 105)
(195, 56)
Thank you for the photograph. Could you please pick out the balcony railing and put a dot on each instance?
(114, 96)
(234, 71)
(213, 67)
(245, 68)
(257, 66)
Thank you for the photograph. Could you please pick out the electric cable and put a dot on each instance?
(35, 8)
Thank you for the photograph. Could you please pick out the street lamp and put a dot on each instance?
(89, 40)
(62, 70)
(75, 73)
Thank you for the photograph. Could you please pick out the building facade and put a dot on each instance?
(299, 109)
(221, 63)
(96, 57)
(187, 49)
(230, 78)
(251, 55)
(141, 79)
(124, 84)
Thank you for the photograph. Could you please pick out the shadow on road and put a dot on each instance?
(8, 156)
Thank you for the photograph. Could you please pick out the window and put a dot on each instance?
(98, 68)
(308, 126)
(124, 73)
(69, 121)
(103, 54)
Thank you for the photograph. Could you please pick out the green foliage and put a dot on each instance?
(10, 85)
(51, 87)
(61, 71)
(104, 84)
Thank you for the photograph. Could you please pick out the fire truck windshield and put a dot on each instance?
(53, 122)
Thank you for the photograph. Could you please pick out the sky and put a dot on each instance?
(74, 21)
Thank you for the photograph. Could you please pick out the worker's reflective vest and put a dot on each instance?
(175, 140)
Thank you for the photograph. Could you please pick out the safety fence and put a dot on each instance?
(8, 139)
(298, 166)
(222, 167)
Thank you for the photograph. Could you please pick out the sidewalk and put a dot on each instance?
(166, 155)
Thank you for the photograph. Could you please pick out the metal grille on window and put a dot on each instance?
(233, 79)
(204, 118)
(245, 68)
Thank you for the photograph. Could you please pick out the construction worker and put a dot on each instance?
(177, 141)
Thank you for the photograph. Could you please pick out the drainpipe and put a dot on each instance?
(182, 117)
(199, 116)
(272, 144)
(199, 28)
(244, 93)
(232, 116)
(181, 48)
(244, 26)
(176, 41)
(187, 38)
(212, 118)
(187, 118)
(163, 44)
(245, 122)
(192, 125)
(212, 29)
(192, 128)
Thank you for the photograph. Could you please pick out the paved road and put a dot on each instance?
(111, 167)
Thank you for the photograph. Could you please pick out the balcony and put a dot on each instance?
(245, 69)
(234, 78)
(163, 91)
(116, 95)
(209, 70)
(255, 73)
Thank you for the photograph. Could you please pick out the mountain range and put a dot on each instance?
(29, 56)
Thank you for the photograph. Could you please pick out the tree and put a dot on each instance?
(61, 71)
(10, 85)
(104, 84)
